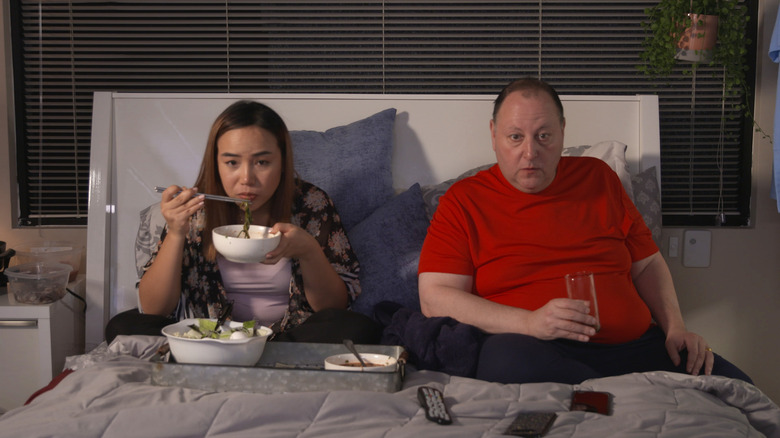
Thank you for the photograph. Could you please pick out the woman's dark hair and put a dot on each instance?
(531, 85)
(240, 115)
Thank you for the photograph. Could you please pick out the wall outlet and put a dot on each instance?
(696, 248)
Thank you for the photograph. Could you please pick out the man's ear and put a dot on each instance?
(493, 134)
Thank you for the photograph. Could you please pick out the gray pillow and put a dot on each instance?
(149, 231)
(352, 163)
(388, 245)
(432, 193)
(647, 198)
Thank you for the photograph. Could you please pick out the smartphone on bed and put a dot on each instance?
(592, 401)
(531, 424)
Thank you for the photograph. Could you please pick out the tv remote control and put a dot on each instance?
(432, 401)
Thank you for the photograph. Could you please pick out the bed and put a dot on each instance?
(418, 145)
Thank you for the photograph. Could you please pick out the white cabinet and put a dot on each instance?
(34, 341)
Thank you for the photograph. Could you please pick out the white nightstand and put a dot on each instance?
(34, 341)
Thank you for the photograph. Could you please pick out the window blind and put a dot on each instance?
(66, 50)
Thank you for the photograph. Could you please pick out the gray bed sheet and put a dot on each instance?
(110, 394)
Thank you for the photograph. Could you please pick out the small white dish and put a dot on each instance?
(348, 362)
(240, 249)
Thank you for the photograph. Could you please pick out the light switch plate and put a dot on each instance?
(674, 246)
(696, 248)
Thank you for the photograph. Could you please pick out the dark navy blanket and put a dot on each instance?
(437, 344)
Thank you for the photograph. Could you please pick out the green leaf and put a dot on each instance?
(207, 325)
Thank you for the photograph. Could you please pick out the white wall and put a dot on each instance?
(732, 302)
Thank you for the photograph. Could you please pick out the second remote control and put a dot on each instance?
(432, 401)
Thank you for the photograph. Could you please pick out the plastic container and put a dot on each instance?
(54, 251)
(38, 282)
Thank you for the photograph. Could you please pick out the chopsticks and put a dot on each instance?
(159, 189)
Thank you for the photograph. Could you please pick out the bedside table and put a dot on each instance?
(34, 341)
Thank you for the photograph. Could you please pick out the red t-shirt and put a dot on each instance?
(518, 247)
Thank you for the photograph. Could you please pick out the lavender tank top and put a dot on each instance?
(259, 291)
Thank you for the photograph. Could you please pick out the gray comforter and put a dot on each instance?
(111, 394)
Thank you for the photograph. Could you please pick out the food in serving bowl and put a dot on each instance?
(230, 242)
(374, 362)
(38, 282)
(232, 344)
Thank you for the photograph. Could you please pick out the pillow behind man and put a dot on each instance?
(352, 163)
(647, 198)
(611, 152)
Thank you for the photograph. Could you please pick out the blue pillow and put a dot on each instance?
(352, 163)
(388, 245)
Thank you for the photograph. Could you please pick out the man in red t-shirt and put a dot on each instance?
(501, 242)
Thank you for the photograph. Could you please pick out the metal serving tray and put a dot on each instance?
(283, 367)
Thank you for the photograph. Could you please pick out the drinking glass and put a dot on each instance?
(580, 286)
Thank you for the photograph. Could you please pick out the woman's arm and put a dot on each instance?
(160, 286)
(443, 294)
(159, 290)
(324, 288)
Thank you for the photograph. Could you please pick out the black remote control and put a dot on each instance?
(432, 401)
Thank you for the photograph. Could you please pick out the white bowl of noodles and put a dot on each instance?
(234, 246)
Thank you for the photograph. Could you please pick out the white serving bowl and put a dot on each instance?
(240, 249)
(348, 362)
(243, 352)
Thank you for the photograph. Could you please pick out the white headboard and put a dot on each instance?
(144, 140)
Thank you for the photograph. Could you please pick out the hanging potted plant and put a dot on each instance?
(679, 30)
(675, 26)
(696, 36)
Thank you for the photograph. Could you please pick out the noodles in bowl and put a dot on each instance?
(229, 241)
